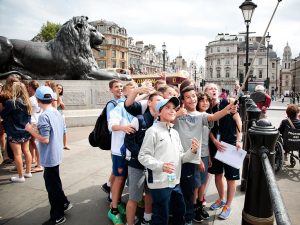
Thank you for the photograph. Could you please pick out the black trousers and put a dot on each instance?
(56, 194)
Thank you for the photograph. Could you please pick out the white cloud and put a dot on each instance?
(185, 26)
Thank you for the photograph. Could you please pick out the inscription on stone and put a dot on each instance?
(75, 98)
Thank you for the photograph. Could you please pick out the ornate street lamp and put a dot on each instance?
(247, 8)
(294, 80)
(276, 87)
(268, 37)
(195, 78)
(164, 56)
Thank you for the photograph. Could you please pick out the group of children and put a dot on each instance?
(26, 119)
(162, 145)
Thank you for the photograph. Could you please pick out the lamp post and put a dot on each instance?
(164, 56)
(276, 87)
(247, 8)
(294, 81)
(268, 37)
(195, 77)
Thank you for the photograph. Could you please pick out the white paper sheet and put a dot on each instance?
(231, 156)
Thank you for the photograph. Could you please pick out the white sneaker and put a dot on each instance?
(17, 179)
(28, 175)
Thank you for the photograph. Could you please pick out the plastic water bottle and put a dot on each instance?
(171, 179)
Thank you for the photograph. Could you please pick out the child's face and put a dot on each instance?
(168, 113)
(117, 90)
(153, 102)
(213, 92)
(203, 104)
(129, 89)
(59, 88)
(169, 93)
(190, 100)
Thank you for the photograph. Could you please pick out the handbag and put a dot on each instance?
(291, 138)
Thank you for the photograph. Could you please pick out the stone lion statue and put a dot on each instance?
(67, 57)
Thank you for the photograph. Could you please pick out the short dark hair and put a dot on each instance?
(292, 111)
(186, 89)
(111, 83)
(157, 93)
(46, 102)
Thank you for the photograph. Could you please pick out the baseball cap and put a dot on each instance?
(44, 93)
(163, 102)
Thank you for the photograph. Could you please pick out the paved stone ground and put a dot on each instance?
(83, 170)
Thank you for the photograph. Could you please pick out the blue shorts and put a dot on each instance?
(200, 177)
(119, 166)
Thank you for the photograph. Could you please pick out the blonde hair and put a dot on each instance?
(19, 90)
(211, 85)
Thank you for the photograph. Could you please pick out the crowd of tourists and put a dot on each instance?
(163, 143)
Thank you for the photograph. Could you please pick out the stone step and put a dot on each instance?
(81, 117)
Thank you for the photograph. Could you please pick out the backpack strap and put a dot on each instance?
(291, 123)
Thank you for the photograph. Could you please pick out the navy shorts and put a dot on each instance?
(119, 166)
(219, 167)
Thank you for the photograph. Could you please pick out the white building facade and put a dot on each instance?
(226, 57)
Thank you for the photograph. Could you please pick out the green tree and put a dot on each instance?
(49, 30)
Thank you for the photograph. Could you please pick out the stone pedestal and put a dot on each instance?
(84, 94)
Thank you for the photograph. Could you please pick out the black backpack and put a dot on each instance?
(101, 136)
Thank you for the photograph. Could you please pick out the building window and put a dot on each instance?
(211, 73)
(289, 65)
(102, 53)
(250, 60)
(122, 43)
(113, 63)
(260, 72)
(218, 61)
(241, 62)
(240, 74)
(114, 41)
(123, 55)
(227, 73)
(211, 50)
(218, 73)
(273, 65)
(227, 49)
(113, 54)
(123, 65)
(102, 64)
(251, 73)
(218, 49)
(227, 61)
(211, 62)
(260, 60)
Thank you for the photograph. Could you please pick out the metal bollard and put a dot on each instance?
(257, 206)
(253, 114)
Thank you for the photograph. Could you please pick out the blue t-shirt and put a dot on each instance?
(51, 126)
(110, 106)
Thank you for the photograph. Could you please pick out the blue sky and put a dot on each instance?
(185, 26)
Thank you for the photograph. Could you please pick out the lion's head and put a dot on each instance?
(73, 44)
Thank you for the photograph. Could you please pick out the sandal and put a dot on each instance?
(37, 169)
